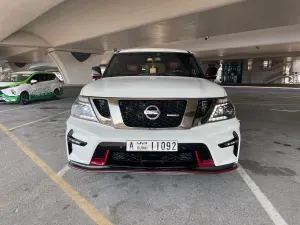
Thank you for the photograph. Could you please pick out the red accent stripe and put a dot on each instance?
(203, 163)
(100, 161)
(154, 171)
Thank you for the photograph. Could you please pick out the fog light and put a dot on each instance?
(234, 141)
(75, 141)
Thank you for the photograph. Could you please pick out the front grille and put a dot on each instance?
(203, 107)
(102, 107)
(122, 158)
(171, 113)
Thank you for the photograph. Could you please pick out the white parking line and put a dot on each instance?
(31, 105)
(261, 87)
(13, 128)
(263, 104)
(295, 96)
(286, 110)
(63, 171)
(263, 200)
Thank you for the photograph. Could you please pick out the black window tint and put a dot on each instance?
(52, 77)
(43, 77)
(49, 77)
(35, 77)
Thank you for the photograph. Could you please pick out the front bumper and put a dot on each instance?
(7, 98)
(220, 139)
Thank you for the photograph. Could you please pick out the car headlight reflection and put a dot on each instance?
(82, 109)
(223, 110)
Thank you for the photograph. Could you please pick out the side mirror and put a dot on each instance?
(33, 82)
(96, 72)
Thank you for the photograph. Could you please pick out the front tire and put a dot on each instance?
(24, 98)
(56, 94)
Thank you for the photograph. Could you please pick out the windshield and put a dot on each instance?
(15, 77)
(153, 64)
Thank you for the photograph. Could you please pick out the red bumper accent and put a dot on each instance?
(203, 163)
(100, 165)
(100, 161)
(187, 171)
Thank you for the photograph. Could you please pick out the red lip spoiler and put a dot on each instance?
(107, 169)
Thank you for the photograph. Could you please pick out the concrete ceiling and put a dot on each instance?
(238, 17)
(266, 51)
(35, 55)
(10, 51)
(17, 13)
(78, 20)
(235, 27)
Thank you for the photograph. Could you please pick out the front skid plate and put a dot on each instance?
(111, 169)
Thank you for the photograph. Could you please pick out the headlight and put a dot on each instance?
(82, 109)
(223, 110)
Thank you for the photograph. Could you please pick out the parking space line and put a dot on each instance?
(63, 171)
(263, 200)
(83, 203)
(35, 121)
(264, 104)
(262, 87)
(22, 107)
(293, 96)
(286, 110)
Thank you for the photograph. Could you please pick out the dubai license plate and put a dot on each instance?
(152, 146)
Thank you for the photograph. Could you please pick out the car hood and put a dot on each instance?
(153, 87)
(9, 84)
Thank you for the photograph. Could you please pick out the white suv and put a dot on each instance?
(152, 109)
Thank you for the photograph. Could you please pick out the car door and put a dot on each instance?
(35, 89)
(49, 85)
(45, 81)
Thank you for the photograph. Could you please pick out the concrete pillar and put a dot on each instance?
(75, 68)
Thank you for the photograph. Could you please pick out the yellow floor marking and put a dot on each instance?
(87, 207)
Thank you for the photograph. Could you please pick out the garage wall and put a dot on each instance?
(258, 75)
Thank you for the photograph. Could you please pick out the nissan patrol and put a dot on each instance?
(152, 109)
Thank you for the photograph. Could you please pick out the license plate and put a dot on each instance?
(152, 146)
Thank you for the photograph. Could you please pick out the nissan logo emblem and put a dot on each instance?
(152, 112)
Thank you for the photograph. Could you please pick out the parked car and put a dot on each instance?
(211, 73)
(23, 87)
(59, 76)
(153, 109)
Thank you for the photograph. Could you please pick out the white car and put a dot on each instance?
(23, 87)
(152, 110)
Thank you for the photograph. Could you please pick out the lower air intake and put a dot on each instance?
(153, 159)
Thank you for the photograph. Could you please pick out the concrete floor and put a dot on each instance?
(270, 155)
